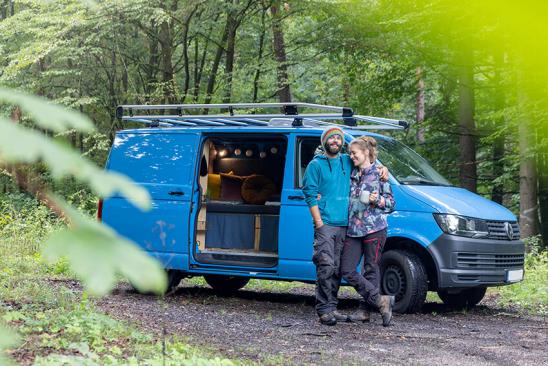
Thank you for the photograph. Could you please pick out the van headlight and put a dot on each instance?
(462, 226)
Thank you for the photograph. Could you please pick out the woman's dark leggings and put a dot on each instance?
(370, 247)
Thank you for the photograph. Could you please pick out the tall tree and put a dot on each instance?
(284, 91)
(467, 130)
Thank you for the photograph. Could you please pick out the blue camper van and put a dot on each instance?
(228, 204)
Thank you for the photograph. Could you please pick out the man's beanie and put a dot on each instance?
(331, 131)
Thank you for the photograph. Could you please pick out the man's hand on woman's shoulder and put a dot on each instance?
(383, 171)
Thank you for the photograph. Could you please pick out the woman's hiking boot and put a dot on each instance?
(361, 315)
(385, 305)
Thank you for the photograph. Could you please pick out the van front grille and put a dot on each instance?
(499, 230)
(480, 260)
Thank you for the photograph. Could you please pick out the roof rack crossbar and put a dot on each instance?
(231, 123)
(206, 122)
(152, 122)
(178, 122)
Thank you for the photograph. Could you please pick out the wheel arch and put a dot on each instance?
(407, 244)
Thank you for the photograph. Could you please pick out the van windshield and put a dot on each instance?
(407, 166)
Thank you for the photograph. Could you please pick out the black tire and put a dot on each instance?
(226, 285)
(174, 278)
(403, 276)
(464, 299)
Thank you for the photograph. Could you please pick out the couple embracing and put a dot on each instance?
(348, 197)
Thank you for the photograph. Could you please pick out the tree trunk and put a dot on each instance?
(467, 138)
(259, 57)
(152, 65)
(284, 92)
(232, 26)
(216, 62)
(528, 198)
(420, 105)
(497, 193)
(166, 44)
(543, 195)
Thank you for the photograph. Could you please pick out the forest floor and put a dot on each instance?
(270, 326)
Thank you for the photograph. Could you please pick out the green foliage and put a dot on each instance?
(532, 293)
(97, 254)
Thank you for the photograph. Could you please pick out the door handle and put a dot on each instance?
(296, 198)
(176, 193)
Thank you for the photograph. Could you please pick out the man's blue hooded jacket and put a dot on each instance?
(329, 177)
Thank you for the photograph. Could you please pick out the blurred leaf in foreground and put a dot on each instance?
(97, 254)
(7, 339)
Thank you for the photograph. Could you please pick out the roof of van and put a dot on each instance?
(247, 130)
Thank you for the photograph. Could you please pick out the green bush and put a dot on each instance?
(532, 293)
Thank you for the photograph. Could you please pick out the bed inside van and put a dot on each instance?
(240, 184)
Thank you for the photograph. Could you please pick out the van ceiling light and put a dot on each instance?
(274, 150)
(237, 152)
(222, 153)
(262, 154)
(249, 153)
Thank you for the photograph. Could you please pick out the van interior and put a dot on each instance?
(240, 183)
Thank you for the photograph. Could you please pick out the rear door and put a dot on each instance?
(296, 234)
(163, 163)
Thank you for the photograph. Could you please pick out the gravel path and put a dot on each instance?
(281, 328)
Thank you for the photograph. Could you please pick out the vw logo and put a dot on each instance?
(509, 230)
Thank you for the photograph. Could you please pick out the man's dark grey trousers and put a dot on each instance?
(328, 244)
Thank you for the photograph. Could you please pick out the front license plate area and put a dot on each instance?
(515, 275)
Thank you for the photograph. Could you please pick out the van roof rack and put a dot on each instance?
(180, 115)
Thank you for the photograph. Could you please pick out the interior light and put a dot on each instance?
(274, 150)
(222, 153)
(262, 154)
(237, 152)
(249, 153)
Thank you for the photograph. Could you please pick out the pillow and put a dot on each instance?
(231, 186)
(213, 186)
(256, 189)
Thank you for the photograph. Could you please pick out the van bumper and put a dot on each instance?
(466, 262)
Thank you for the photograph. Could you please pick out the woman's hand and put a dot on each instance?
(373, 197)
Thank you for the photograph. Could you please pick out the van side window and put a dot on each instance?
(306, 146)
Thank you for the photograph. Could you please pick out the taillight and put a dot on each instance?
(100, 210)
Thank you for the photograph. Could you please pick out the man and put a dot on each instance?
(326, 187)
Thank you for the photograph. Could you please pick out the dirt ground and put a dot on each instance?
(282, 328)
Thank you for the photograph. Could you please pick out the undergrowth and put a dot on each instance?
(56, 323)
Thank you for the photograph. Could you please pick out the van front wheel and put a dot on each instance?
(403, 276)
(464, 299)
(226, 285)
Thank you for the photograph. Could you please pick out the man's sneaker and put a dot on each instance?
(328, 319)
(341, 318)
(385, 305)
(361, 315)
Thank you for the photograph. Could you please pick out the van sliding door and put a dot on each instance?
(163, 163)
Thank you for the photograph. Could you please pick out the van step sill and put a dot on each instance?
(239, 252)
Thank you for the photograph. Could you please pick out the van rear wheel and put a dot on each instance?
(464, 299)
(226, 285)
(403, 276)
(174, 278)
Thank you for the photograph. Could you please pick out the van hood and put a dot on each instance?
(459, 201)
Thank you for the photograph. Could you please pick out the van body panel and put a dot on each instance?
(417, 226)
(161, 164)
(460, 201)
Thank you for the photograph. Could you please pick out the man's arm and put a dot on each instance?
(383, 171)
(310, 190)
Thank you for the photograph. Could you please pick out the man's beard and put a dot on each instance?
(333, 149)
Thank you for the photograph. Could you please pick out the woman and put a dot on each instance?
(370, 201)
